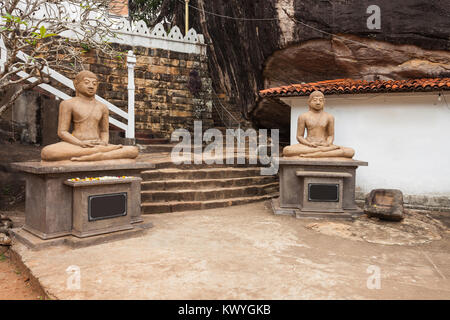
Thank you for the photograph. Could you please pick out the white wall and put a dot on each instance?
(404, 137)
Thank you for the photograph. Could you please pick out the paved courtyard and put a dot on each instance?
(246, 252)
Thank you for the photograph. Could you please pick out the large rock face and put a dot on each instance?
(348, 56)
(238, 49)
(310, 40)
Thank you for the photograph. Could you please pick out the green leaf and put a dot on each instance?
(31, 42)
(8, 17)
(43, 31)
(50, 35)
(85, 47)
(42, 34)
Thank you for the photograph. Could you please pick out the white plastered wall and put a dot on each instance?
(404, 137)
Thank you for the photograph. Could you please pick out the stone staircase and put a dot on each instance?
(149, 142)
(226, 113)
(229, 117)
(171, 188)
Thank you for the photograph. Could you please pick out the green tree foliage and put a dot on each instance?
(154, 11)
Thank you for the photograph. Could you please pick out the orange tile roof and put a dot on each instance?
(350, 86)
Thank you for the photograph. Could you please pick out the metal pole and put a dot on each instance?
(187, 17)
(131, 63)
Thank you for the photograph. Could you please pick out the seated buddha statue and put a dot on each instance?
(320, 133)
(89, 140)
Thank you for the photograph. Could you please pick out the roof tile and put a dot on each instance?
(341, 86)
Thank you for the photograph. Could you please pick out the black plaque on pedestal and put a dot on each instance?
(107, 206)
(318, 192)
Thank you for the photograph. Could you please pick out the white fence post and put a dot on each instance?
(3, 55)
(131, 63)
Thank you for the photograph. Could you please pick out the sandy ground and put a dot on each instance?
(246, 252)
(15, 284)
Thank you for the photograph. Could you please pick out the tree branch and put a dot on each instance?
(35, 27)
(17, 94)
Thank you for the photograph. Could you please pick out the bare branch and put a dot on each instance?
(17, 94)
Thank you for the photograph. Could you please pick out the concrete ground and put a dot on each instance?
(246, 252)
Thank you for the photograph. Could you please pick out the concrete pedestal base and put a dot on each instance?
(49, 201)
(35, 243)
(300, 214)
(299, 175)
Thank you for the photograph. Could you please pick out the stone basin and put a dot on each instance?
(386, 204)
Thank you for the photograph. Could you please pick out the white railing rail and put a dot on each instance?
(224, 114)
(128, 127)
(3, 55)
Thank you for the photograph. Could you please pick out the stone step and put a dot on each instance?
(206, 183)
(166, 147)
(174, 206)
(192, 165)
(187, 195)
(156, 148)
(148, 134)
(204, 173)
(152, 141)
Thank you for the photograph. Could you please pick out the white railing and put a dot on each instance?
(129, 127)
(3, 55)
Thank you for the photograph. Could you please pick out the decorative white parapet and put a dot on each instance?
(139, 35)
(135, 34)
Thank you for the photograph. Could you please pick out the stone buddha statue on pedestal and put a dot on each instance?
(89, 140)
(320, 133)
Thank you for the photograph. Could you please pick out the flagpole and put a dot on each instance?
(187, 17)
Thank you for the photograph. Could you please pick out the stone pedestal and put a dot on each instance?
(50, 201)
(322, 188)
(103, 206)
